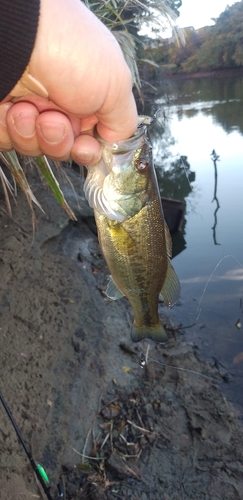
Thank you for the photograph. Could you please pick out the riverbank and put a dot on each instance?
(73, 381)
(215, 73)
(158, 81)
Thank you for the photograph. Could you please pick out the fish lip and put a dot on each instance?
(119, 147)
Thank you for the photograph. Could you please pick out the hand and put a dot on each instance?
(80, 64)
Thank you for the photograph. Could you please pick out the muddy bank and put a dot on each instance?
(73, 381)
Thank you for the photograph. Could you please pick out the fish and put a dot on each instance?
(135, 240)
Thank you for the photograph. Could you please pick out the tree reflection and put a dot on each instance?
(175, 181)
(215, 158)
(219, 97)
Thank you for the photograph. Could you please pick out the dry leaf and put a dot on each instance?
(111, 411)
(126, 369)
(104, 425)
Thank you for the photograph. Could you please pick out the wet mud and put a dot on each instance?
(90, 414)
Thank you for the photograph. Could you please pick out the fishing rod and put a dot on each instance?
(39, 470)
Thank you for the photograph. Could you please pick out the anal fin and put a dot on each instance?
(112, 290)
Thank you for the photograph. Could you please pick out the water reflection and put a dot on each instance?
(175, 182)
(203, 118)
(215, 158)
(218, 97)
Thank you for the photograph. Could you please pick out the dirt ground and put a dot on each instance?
(96, 420)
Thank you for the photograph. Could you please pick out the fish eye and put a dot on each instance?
(141, 165)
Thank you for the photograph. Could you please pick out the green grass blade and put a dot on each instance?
(52, 182)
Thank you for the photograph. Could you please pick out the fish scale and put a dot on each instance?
(133, 235)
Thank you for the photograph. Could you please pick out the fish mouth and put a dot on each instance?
(94, 185)
(120, 147)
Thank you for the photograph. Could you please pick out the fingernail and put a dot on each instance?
(3, 111)
(85, 157)
(53, 133)
(25, 124)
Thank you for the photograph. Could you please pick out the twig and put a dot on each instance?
(133, 473)
(89, 431)
(111, 437)
(86, 440)
(139, 428)
(86, 456)
(125, 441)
(139, 418)
(106, 439)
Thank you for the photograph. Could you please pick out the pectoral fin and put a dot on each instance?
(112, 290)
(171, 287)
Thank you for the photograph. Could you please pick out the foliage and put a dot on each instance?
(178, 53)
(133, 14)
(212, 47)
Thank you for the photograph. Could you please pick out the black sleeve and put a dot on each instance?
(18, 27)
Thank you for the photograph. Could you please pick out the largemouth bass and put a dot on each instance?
(135, 240)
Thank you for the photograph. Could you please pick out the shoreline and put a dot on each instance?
(215, 73)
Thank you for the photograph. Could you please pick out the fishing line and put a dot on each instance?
(143, 363)
(181, 369)
(199, 309)
(39, 470)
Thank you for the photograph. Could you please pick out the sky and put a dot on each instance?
(198, 13)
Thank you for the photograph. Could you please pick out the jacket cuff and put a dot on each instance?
(18, 28)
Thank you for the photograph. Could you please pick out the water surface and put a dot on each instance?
(202, 116)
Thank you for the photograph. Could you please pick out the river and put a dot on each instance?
(198, 117)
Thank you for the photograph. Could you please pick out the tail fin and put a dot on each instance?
(156, 333)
